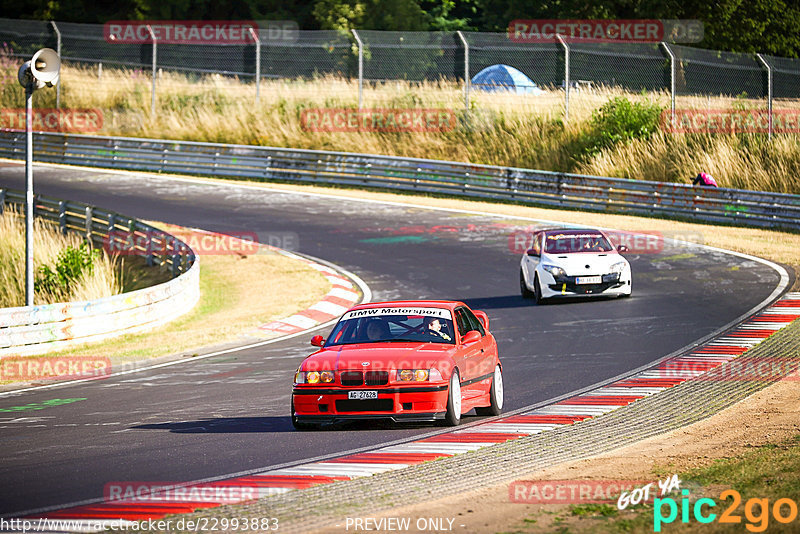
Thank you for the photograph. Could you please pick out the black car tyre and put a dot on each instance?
(537, 291)
(453, 415)
(523, 287)
(495, 395)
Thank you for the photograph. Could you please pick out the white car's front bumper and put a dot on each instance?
(611, 284)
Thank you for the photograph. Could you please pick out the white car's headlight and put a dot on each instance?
(554, 270)
(618, 267)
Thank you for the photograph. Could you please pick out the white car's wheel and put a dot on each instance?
(453, 415)
(523, 287)
(537, 291)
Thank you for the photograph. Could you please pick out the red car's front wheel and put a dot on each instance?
(453, 415)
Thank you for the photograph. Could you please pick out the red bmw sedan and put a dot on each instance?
(404, 361)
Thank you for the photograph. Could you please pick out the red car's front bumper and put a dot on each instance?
(329, 403)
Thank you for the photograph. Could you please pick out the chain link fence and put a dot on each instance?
(785, 76)
(581, 74)
(702, 73)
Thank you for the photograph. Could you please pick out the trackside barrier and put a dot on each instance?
(48, 327)
(552, 189)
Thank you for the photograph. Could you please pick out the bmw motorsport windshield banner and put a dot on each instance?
(375, 312)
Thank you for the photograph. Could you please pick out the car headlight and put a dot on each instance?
(554, 270)
(313, 377)
(618, 267)
(413, 375)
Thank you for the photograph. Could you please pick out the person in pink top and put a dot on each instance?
(704, 179)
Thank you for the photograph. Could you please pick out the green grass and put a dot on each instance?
(769, 472)
(594, 509)
(65, 268)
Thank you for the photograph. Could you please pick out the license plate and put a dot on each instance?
(588, 280)
(361, 395)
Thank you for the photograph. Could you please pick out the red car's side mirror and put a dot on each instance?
(483, 318)
(622, 248)
(317, 341)
(471, 337)
(531, 252)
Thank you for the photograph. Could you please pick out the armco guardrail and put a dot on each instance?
(48, 327)
(732, 206)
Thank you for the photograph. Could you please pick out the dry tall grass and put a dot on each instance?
(506, 129)
(48, 242)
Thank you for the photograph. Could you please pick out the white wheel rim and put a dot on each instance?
(455, 387)
(498, 386)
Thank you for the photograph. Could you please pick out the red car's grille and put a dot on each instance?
(370, 378)
(352, 378)
(368, 405)
(376, 378)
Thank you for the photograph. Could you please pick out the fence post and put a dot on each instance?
(2, 200)
(566, 76)
(665, 46)
(89, 221)
(153, 90)
(58, 50)
(467, 80)
(257, 38)
(360, 67)
(62, 216)
(769, 92)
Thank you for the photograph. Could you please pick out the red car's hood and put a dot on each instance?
(379, 356)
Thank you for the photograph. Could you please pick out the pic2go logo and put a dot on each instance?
(756, 511)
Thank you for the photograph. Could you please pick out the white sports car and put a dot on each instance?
(568, 263)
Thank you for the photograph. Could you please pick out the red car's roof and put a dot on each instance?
(570, 231)
(449, 304)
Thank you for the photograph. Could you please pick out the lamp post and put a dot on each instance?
(42, 70)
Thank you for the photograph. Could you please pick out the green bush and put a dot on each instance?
(620, 120)
(70, 265)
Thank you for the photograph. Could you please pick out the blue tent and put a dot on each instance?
(504, 78)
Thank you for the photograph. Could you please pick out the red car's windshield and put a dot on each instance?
(388, 327)
(571, 242)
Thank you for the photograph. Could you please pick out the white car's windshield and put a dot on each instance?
(426, 325)
(571, 242)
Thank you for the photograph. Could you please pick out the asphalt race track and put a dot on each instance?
(230, 413)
